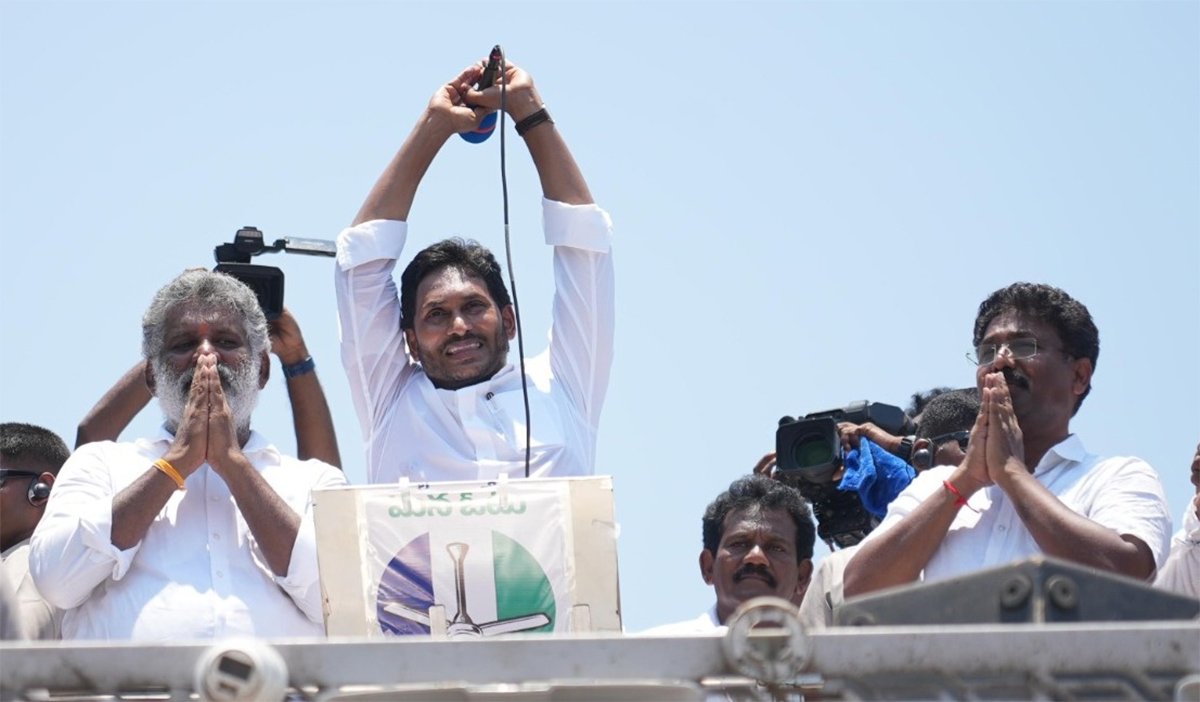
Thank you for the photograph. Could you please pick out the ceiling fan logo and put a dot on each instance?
(523, 594)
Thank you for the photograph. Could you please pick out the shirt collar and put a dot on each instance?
(712, 615)
(13, 548)
(1069, 450)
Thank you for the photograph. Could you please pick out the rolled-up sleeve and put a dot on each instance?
(302, 582)
(586, 227)
(1132, 503)
(584, 310)
(71, 551)
(372, 342)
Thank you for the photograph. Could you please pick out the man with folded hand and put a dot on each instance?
(205, 530)
(1027, 485)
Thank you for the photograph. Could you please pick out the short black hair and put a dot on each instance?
(29, 442)
(921, 399)
(949, 412)
(765, 494)
(1070, 319)
(466, 255)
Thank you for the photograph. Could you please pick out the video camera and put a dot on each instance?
(808, 451)
(265, 281)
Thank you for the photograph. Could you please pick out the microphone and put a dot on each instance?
(481, 133)
(488, 125)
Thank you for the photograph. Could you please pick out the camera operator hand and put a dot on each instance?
(287, 343)
(765, 465)
(315, 436)
(852, 434)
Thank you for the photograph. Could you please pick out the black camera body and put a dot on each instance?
(808, 451)
(265, 281)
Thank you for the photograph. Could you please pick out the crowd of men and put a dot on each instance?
(206, 529)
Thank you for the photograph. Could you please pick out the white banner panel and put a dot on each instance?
(466, 559)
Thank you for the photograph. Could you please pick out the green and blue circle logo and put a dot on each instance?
(523, 596)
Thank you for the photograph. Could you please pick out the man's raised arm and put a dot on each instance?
(560, 175)
(373, 348)
(446, 115)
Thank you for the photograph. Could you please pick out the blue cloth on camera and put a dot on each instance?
(876, 475)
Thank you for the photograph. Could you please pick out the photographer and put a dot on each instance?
(941, 441)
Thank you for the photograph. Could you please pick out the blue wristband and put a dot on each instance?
(298, 369)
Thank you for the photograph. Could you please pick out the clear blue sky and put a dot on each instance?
(810, 201)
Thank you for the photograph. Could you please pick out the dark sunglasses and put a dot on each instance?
(5, 474)
(962, 437)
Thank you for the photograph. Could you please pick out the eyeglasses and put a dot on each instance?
(985, 354)
(962, 437)
(5, 474)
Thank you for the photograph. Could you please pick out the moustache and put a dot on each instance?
(754, 569)
(1012, 377)
(224, 372)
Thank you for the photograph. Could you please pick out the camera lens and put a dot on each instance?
(812, 451)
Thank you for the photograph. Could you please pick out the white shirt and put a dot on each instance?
(1181, 573)
(704, 624)
(39, 619)
(1121, 493)
(414, 430)
(197, 573)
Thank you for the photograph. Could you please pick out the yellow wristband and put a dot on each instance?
(169, 471)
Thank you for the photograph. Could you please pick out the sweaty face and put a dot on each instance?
(191, 331)
(459, 334)
(1044, 387)
(756, 557)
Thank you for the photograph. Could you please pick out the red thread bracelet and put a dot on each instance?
(961, 500)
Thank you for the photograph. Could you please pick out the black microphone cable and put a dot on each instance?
(512, 279)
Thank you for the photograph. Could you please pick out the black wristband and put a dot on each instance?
(905, 450)
(302, 368)
(533, 120)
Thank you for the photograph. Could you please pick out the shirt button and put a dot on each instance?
(1001, 528)
(216, 537)
(220, 574)
(212, 498)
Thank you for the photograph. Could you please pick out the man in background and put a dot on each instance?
(942, 436)
(1181, 572)
(30, 458)
(758, 541)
